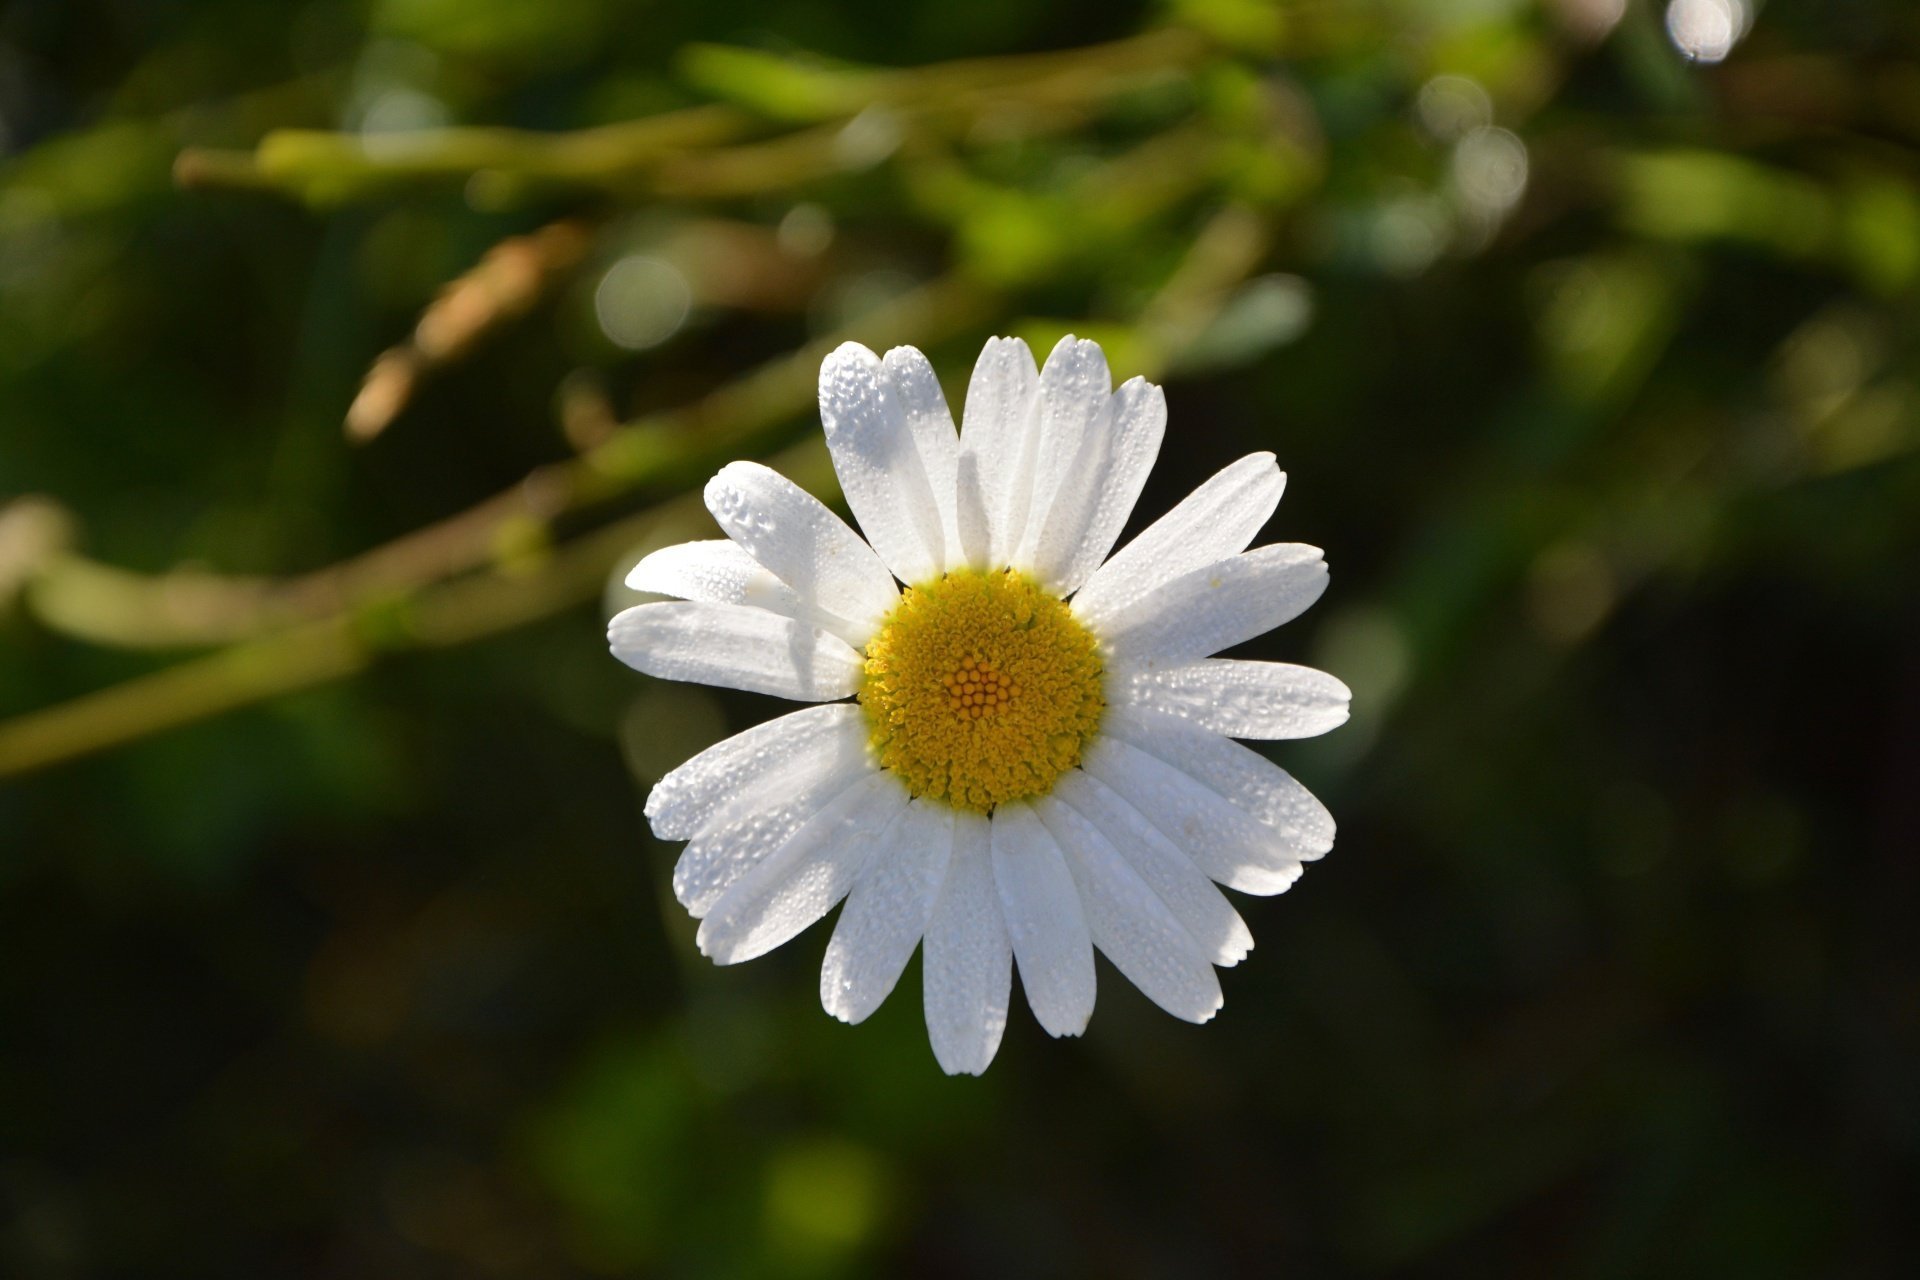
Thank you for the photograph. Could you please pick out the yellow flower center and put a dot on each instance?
(981, 689)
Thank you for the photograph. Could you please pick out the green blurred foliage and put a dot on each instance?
(1595, 372)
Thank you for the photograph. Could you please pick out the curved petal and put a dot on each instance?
(1072, 431)
(713, 571)
(801, 880)
(1129, 922)
(783, 752)
(717, 571)
(1239, 699)
(1213, 522)
(1044, 921)
(759, 820)
(736, 647)
(1081, 531)
(1195, 901)
(1215, 608)
(720, 572)
(1223, 841)
(1254, 784)
(887, 912)
(877, 457)
(931, 423)
(805, 545)
(995, 480)
(967, 962)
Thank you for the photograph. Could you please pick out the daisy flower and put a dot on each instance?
(1037, 758)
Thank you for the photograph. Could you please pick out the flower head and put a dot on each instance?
(1037, 758)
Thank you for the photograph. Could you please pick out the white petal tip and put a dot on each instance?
(719, 953)
(737, 468)
(644, 570)
(1064, 1031)
(844, 1009)
(1263, 883)
(851, 351)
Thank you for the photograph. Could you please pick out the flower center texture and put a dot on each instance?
(981, 689)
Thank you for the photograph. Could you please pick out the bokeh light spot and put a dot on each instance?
(1707, 30)
(641, 302)
(824, 1197)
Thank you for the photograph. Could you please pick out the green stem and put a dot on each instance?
(686, 152)
(316, 653)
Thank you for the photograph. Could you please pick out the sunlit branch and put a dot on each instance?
(316, 653)
(110, 606)
(686, 152)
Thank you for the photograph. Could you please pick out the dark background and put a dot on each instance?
(1593, 368)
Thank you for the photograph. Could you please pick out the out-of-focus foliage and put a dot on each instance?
(334, 941)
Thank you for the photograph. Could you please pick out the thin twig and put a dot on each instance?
(316, 653)
(695, 145)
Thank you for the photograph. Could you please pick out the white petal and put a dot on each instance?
(717, 571)
(1194, 900)
(1215, 608)
(1239, 699)
(1044, 921)
(737, 647)
(801, 880)
(1223, 841)
(932, 426)
(756, 822)
(967, 962)
(1129, 922)
(1080, 530)
(805, 545)
(877, 457)
(782, 751)
(714, 571)
(887, 912)
(1254, 784)
(995, 480)
(1073, 427)
(1213, 522)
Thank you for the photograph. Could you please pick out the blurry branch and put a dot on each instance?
(34, 532)
(513, 558)
(114, 607)
(508, 281)
(1867, 222)
(815, 89)
(330, 168)
(110, 606)
(737, 265)
(441, 616)
(419, 592)
(415, 594)
(689, 152)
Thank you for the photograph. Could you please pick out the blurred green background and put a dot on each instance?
(332, 941)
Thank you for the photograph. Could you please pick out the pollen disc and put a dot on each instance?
(981, 689)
